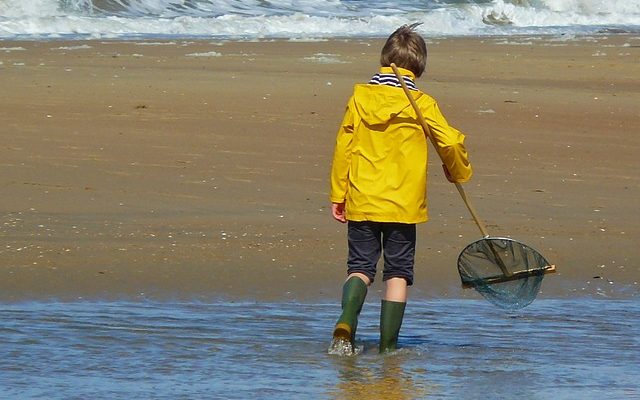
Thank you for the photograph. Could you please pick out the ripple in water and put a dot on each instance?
(561, 349)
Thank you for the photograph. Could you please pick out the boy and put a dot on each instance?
(379, 181)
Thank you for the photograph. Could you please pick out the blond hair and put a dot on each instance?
(406, 49)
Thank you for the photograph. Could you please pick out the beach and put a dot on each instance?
(199, 168)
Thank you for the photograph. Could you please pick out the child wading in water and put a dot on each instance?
(379, 182)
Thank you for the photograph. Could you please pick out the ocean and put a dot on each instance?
(449, 349)
(309, 19)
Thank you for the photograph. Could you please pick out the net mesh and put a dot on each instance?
(504, 271)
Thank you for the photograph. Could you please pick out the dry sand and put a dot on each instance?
(198, 169)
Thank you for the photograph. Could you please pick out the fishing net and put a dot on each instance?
(504, 271)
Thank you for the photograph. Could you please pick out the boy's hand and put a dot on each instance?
(337, 210)
(447, 174)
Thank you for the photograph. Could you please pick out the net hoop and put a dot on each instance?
(505, 271)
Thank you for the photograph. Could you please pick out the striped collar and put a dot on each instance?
(388, 78)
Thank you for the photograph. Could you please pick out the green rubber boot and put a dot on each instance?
(391, 315)
(354, 292)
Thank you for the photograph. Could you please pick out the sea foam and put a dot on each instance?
(309, 19)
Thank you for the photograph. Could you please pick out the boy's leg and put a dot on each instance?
(396, 290)
(354, 292)
(399, 243)
(399, 252)
(391, 315)
(364, 251)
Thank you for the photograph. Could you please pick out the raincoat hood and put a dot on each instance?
(378, 104)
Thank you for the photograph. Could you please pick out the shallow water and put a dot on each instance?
(450, 349)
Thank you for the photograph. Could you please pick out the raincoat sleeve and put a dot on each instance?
(449, 144)
(342, 159)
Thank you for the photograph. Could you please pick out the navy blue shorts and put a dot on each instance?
(368, 240)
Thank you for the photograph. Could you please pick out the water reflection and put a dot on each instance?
(386, 377)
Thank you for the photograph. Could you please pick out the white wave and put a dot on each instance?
(593, 7)
(546, 13)
(28, 9)
(306, 19)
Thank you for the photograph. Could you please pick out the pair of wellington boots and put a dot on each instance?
(354, 292)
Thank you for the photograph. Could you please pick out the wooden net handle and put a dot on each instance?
(429, 134)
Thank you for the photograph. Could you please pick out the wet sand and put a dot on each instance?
(199, 169)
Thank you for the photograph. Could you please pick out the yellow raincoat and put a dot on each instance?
(380, 161)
